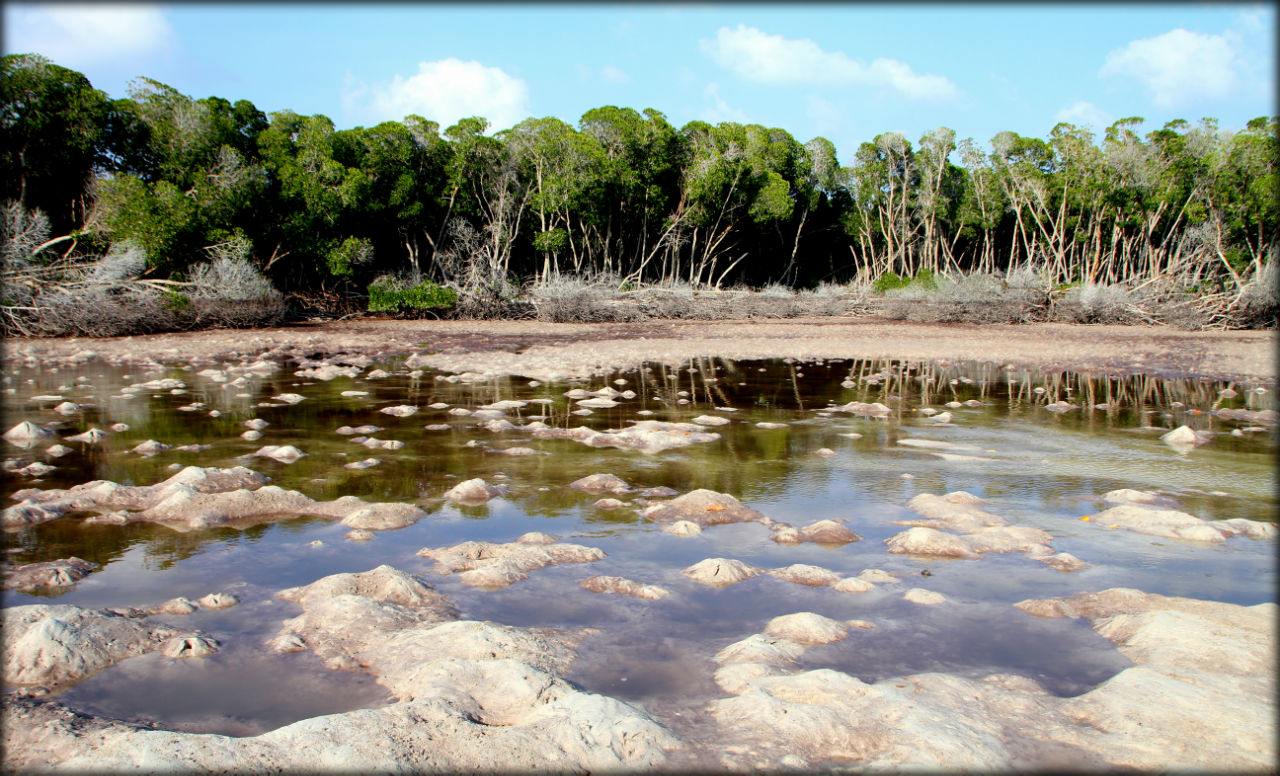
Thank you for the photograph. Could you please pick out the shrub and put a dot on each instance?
(402, 296)
(889, 281)
(568, 299)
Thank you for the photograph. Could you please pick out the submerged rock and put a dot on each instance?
(828, 532)
(91, 437)
(493, 566)
(804, 574)
(622, 586)
(647, 436)
(48, 574)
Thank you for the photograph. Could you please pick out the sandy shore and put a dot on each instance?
(544, 349)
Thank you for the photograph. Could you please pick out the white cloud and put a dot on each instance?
(613, 75)
(773, 59)
(82, 36)
(1178, 67)
(1085, 114)
(443, 91)
(717, 110)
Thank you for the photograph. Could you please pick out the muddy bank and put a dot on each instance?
(547, 350)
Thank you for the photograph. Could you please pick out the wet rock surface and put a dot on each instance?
(196, 498)
(494, 566)
(55, 645)
(1183, 650)
(48, 575)
(471, 696)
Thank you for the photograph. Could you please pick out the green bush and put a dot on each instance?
(924, 279)
(395, 295)
(176, 301)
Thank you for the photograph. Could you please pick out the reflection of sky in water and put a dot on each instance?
(1046, 470)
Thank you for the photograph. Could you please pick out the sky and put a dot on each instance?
(847, 72)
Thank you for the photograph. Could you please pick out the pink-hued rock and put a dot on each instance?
(492, 566)
(601, 483)
(474, 491)
(622, 586)
(706, 508)
(62, 644)
(49, 574)
(721, 572)
(830, 532)
(646, 436)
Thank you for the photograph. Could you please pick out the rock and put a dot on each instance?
(941, 418)
(257, 424)
(400, 411)
(853, 585)
(710, 420)
(804, 574)
(1185, 437)
(91, 437)
(67, 408)
(958, 511)
(150, 447)
(186, 647)
(473, 491)
(494, 566)
(62, 644)
(437, 427)
(761, 649)
(874, 410)
(828, 532)
(935, 444)
(367, 463)
(601, 483)
(661, 491)
(281, 453)
(381, 444)
(119, 427)
(289, 398)
(683, 528)
(929, 542)
(358, 535)
(621, 586)
(806, 628)
(647, 436)
(219, 601)
(1062, 561)
(608, 503)
(768, 424)
(1267, 417)
(706, 508)
(919, 595)
(198, 498)
(1061, 406)
(823, 452)
(1128, 496)
(1166, 523)
(721, 572)
(48, 574)
(251, 435)
(597, 402)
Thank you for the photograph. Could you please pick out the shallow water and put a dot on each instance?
(1041, 469)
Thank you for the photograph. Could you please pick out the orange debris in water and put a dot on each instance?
(714, 508)
(1085, 518)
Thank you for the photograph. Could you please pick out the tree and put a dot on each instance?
(51, 128)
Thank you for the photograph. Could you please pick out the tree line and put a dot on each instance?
(624, 194)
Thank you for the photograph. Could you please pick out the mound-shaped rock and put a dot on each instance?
(492, 566)
(705, 508)
(647, 436)
(623, 586)
(49, 574)
(62, 644)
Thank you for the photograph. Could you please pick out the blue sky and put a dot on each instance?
(843, 71)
